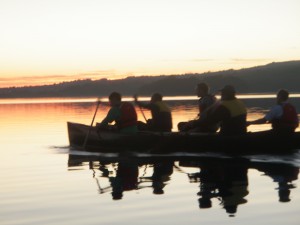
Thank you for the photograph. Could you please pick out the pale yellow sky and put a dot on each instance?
(46, 41)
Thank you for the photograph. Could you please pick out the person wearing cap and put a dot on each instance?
(206, 100)
(122, 113)
(161, 114)
(283, 116)
(230, 112)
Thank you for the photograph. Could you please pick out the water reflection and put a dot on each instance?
(226, 180)
(125, 174)
(283, 175)
(162, 170)
(126, 179)
(37, 189)
(221, 180)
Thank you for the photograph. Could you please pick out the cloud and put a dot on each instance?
(201, 60)
(249, 60)
(98, 73)
(188, 60)
(51, 79)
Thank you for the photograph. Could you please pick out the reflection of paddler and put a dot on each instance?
(161, 174)
(234, 188)
(126, 179)
(283, 174)
(284, 183)
(210, 178)
(235, 197)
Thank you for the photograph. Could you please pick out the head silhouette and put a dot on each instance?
(228, 92)
(156, 97)
(282, 96)
(202, 89)
(115, 98)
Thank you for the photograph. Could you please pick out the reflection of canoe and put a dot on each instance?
(257, 142)
(222, 180)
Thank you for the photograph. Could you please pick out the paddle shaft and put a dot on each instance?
(88, 134)
(136, 102)
(143, 113)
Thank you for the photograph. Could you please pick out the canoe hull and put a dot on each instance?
(108, 141)
(257, 142)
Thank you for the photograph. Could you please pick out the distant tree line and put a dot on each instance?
(260, 79)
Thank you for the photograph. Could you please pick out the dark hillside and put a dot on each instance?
(261, 79)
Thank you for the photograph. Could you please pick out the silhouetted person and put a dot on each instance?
(206, 100)
(122, 113)
(161, 114)
(283, 116)
(230, 112)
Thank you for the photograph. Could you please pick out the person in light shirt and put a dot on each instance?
(283, 116)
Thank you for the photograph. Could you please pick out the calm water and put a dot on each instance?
(43, 182)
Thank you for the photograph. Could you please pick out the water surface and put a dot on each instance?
(44, 182)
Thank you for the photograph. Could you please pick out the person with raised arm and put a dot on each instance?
(161, 120)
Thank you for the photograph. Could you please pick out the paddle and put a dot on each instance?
(90, 129)
(143, 113)
(135, 99)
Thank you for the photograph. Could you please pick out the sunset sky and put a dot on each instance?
(47, 41)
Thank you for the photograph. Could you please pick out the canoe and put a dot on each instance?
(166, 142)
